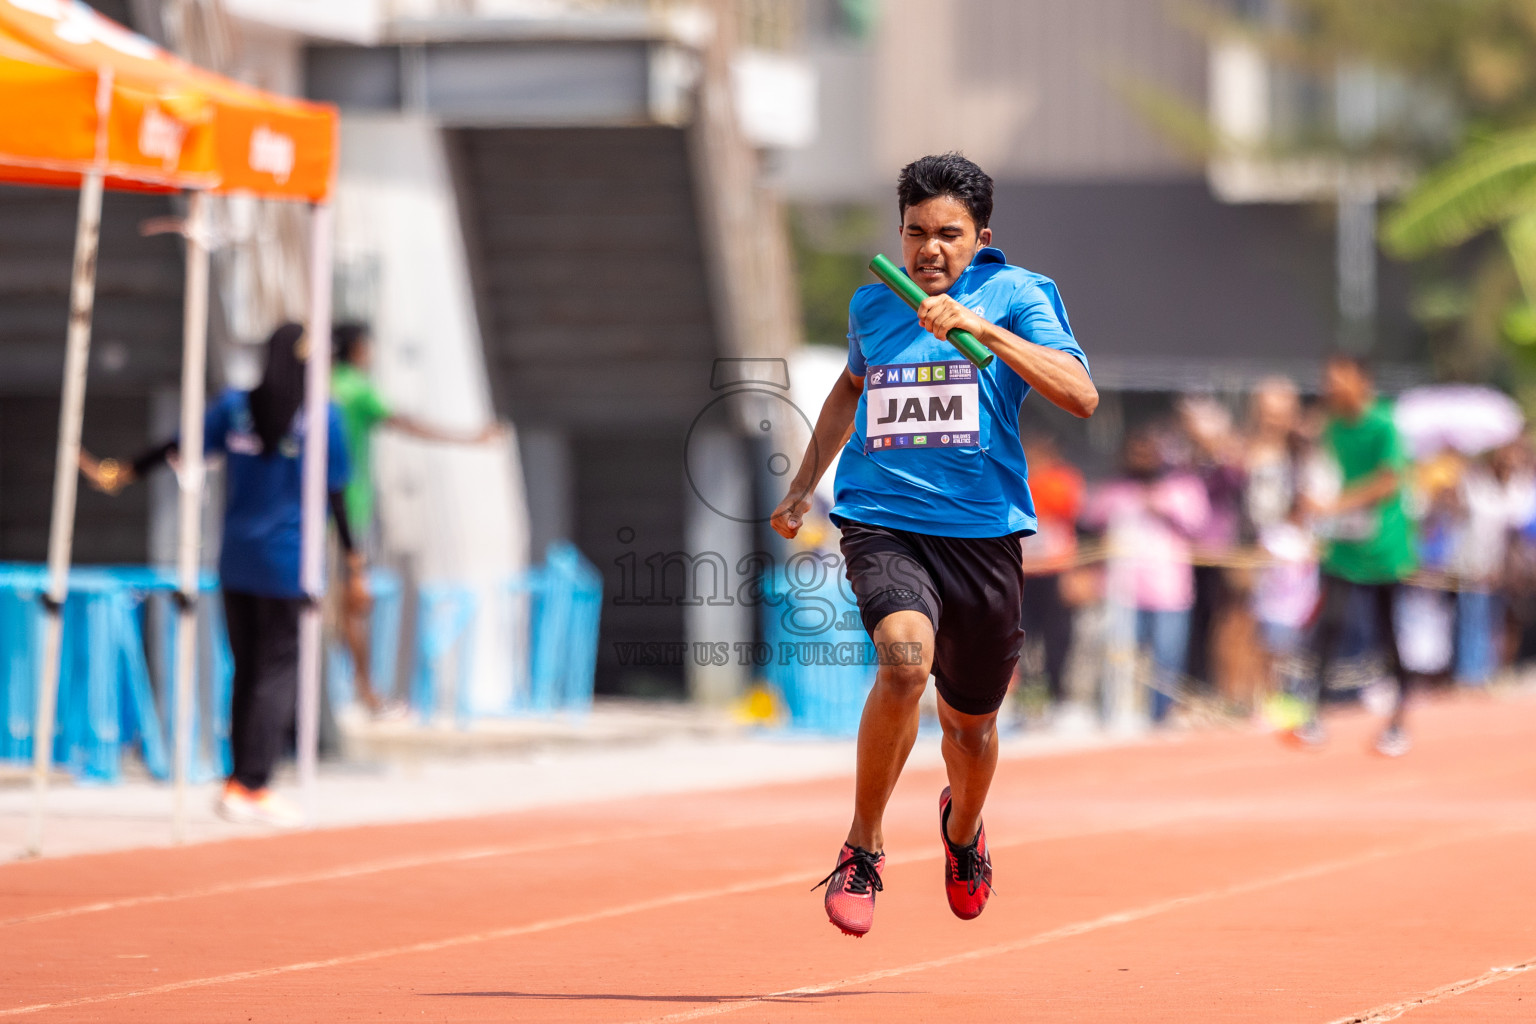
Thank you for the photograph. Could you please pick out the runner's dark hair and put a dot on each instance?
(345, 339)
(947, 174)
(1360, 364)
(276, 400)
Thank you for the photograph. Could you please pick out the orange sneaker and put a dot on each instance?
(967, 869)
(851, 889)
(256, 807)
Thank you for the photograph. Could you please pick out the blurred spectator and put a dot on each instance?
(363, 410)
(261, 435)
(1426, 608)
(1518, 579)
(1270, 456)
(1283, 464)
(1216, 458)
(1369, 546)
(1285, 596)
(1434, 500)
(1057, 489)
(1150, 516)
(1497, 496)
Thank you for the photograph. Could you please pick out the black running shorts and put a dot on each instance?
(969, 587)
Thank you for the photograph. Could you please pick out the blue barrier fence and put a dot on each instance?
(111, 700)
(557, 606)
(822, 663)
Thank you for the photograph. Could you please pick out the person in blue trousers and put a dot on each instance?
(261, 435)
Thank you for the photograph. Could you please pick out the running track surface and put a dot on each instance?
(1216, 877)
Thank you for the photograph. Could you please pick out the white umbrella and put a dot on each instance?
(1466, 417)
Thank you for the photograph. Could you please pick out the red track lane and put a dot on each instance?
(1216, 877)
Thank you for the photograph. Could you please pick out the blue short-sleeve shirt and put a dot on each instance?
(935, 446)
(263, 495)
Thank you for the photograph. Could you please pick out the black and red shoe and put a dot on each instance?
(967, 869)
(851, 889)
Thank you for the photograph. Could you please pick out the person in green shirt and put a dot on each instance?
(364, 410)
(1369, 550)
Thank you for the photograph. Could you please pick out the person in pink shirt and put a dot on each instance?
(1149, 517)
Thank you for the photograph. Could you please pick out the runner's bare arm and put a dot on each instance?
(1056, 375)
(1370, 492)
(833, 428)
(413, 427)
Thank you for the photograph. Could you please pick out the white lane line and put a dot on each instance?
(423, 947)
(458, 856)
(1392, 1011)
(741, 888)
(1191, 811)
(1085, 927)
(375, 867)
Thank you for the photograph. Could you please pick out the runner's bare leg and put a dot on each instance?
(970, 757)
(888, 729)
(354, 630)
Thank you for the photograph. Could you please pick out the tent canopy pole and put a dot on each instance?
(189, 478)
(317, 396)
(61, 528)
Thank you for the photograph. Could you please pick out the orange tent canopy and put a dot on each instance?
(79, 92)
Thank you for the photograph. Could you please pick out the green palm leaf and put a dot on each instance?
(1520, 240)
(1480, 190)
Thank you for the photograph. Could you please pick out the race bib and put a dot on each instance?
(922, 405)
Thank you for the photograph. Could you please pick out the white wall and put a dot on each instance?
(355, 21)
(1032, 90)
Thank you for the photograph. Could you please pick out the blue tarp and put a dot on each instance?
(111, 702)
(107, 696)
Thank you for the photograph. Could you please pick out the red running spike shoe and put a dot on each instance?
(967, 869)
(851, 889)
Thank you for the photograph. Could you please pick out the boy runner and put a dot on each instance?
(363, 410)
(1371, 550)
(932, 498)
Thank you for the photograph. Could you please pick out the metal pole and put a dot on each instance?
(1356, 260)
(66, 469)
(317, 395)
(1357, 115)
(194, 358)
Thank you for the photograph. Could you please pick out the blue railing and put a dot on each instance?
(112, 698)
(557, 606)
(821, 661)
(107, 701)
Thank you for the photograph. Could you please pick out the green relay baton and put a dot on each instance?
(913, 296)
